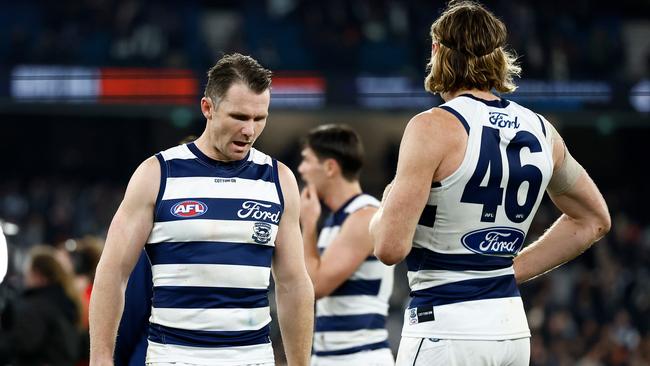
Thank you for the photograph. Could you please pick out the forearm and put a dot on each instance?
(312, 257)
(106, 306)
(391, 239)
(296, 318)
(566, 239)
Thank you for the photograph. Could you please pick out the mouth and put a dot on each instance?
(241, 144)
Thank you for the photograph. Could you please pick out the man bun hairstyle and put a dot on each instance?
(472, 51)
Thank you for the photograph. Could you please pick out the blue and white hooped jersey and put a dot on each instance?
(475, 221)
(353, 317)
(210, 249)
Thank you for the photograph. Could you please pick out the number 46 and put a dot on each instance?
(491, 196)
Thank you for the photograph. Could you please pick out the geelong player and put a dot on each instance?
(217, 217)
(470, 177)
(351, 285)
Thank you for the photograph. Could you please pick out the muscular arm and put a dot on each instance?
(343, 256)
(421, 151)
(126, 237)
(584, 220)
(294, 291)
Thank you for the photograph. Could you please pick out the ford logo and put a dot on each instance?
(501, 241)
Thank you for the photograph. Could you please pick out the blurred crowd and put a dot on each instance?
(592, 312)
(556, 40)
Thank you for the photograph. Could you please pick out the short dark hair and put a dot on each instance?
(338, 142)
(234, 68)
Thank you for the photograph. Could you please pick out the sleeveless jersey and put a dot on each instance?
(210, 249)
(475, 221)
(353, 317)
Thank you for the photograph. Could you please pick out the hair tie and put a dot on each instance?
(466, 53)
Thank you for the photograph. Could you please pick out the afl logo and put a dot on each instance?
(189, 209)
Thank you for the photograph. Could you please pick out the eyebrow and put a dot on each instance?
(239, 115)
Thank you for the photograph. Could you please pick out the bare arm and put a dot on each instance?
(584, 220)
(345, 253)
(421, 150)
(126, 237)
(294, 291)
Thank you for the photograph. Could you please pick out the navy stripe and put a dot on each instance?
(278, 187)
(182, 168)
(436, 184)
(224, 209)
(201, 338)
(347, 351)
(358, 287)
(542, 123)
(210, 253)
(468, 290)
(458, 115)
(349, 322)
(195, 297)
(423, 259)
(228, 165)
(498, 103)
(163, 183)
(428, 217)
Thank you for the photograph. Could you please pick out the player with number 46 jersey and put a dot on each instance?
(470, 176)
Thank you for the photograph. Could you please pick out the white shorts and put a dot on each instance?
(455, 352)
(190, 364)
(377, 357)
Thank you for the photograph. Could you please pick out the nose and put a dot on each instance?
(248, 130)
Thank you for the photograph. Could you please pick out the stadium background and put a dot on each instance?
(88, 89)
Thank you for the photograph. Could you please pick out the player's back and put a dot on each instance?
(475, 222)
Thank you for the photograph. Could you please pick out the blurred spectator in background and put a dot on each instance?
(41, 326)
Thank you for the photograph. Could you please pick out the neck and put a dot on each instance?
(339, 191)
(203, 144)
(483, 94)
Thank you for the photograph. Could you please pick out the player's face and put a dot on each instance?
(237, 121)
(312, 170)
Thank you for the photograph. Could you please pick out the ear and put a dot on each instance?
(332, 167)
(207, 107)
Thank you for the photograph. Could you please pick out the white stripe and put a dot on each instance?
(369, 270)
(426, 279)
(227, 356)
(361, 202)
(332, 341)
(260, 158)
(350, 305)
(178, 152)
(326, 236)
(205, 187)
(206, 230)
(211, 275)
(212, 319)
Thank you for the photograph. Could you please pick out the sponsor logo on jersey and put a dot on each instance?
(189, 208)
(500, 120)
(501, 241)
(258, 211)
(262, 232)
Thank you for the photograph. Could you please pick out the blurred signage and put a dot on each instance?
(103, 85)
(298, 91)
(392, 92)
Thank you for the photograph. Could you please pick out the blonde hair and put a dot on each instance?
(472, 51)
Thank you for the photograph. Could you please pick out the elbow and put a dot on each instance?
(602, 224)
(389, 255)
